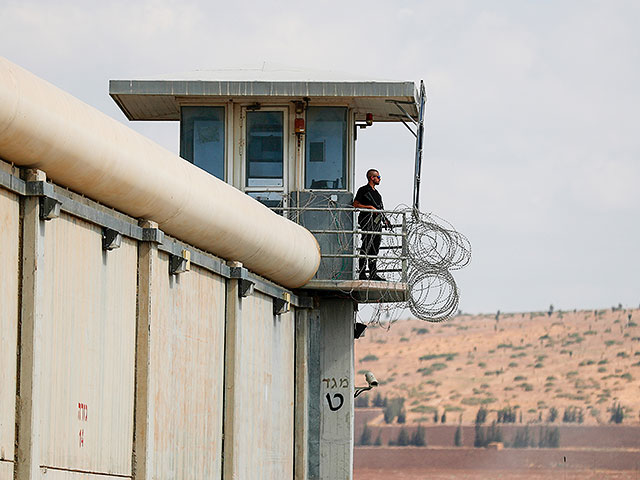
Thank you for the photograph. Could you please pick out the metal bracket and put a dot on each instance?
(49, 208)
(281, 305)
(111, 239)
(180, 263)
(359, 390)
(246, 286)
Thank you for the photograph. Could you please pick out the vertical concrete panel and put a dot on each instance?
(6, 470)
(186, 368)
(331, 390)
(259, 414)
(9, 251)
(87, 350)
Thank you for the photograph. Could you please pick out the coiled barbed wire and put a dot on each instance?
(432, 250)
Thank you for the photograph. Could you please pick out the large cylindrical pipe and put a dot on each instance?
(81, 148)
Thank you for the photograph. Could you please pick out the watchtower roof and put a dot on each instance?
(160, 98)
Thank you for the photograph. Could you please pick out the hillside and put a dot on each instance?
(532, 362)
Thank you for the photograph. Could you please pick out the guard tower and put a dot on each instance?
(287, 138)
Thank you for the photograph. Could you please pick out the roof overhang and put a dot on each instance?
(162, 99)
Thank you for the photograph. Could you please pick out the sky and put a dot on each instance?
(530, 149)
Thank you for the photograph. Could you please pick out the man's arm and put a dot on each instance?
(357, 204)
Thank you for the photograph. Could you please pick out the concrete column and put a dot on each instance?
(301, 406)
(28, 454)
(143, 427)
(331, 390)
(233, 327)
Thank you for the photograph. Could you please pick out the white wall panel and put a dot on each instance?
(9, 241)
(87, 349)
(186, 363)
(6, 470)
(263, 383)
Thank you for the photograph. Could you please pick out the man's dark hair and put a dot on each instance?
(370, 172)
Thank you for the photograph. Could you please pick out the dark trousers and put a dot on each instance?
(370, 246)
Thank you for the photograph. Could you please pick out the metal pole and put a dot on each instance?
(419, 143)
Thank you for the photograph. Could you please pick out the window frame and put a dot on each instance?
(348, 150)
(225, 139)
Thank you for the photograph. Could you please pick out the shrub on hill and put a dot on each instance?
(573, 415)
(507, 415)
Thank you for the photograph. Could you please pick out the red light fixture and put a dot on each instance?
(299, 125)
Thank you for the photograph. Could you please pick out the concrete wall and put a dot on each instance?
(9, 253)
(112, 367)
(129, 371)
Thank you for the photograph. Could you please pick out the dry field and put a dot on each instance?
(413, 474)
(529, 361)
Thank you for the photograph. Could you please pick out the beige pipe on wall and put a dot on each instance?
(83, 149)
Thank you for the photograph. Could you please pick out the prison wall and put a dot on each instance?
(112, 366)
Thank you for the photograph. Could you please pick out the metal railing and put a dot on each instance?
(340, 238)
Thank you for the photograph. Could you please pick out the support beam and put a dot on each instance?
(143, 427)
(28, 456)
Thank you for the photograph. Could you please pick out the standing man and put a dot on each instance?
(369, 198)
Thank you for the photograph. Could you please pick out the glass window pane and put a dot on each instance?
(202, 138)
(265, 152)
(326, 148)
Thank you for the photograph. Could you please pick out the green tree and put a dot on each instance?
(435, 416)
(457, 437)
(493, 434)
(378, 440)
(548, 437)
(394, 408)
(617, 413)
(403, 438)
(479, 438)
(418, 438)
(402, 416)
(523, 438)
(481, 416)
(365, 436)
(377, 400)
(362, 401)
(443, 418)
(553, 415)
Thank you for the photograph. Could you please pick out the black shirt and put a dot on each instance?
(366, 195)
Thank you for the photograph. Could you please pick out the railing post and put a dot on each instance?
(355, 268)
(405, 249)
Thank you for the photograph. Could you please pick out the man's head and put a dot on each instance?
(373, 176)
